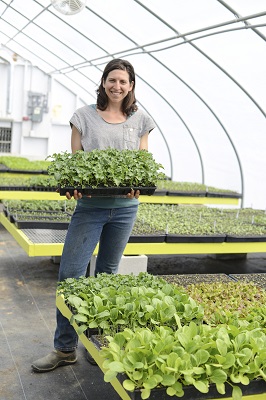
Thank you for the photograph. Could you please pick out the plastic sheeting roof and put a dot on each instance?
(201, 74)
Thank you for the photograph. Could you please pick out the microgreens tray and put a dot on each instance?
(107, 191)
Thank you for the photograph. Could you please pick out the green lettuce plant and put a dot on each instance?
(198, 355)
(248, 302)
(132, 304)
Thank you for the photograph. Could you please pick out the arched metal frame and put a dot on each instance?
(96, 62)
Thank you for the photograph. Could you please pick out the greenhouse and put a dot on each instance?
(198, 193)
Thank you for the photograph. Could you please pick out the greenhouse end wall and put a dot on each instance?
(30, 138)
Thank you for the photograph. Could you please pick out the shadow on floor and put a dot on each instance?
(27, 321)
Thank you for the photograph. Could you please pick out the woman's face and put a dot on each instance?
(117, 85)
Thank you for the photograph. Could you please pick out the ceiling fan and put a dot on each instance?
(69, 7)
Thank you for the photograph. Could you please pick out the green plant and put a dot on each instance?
(22, 163)
(39, 205)
(158, 335)
(128, 303)
(197, 355)
(191, 220)
(105, 168)
(247, 303)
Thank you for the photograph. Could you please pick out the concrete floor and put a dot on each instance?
(27, 321)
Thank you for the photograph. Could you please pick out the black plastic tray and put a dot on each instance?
(258, 278)
(28, 188)
(22, 171)
(22, 223)
(224, 195)
(44, 188)
(248, 239)
(188, 279)
(161, 192)
(188, 193)
(16, 188)
(107, 191)
(147, 238)
(191, 393)
(173, 238)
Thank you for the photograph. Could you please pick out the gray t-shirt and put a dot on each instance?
(96, 133)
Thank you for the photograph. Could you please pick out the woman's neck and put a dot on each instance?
(112, 114)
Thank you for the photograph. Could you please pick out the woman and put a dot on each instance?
(116, 122)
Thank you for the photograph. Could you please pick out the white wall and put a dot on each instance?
(36, 139)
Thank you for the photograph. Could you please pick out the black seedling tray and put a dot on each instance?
(107, 191)
(248, 239)
(173, 238)
(147, 238)
(45, 220)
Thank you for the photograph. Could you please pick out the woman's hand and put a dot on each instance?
(132, 194)
(77, 195)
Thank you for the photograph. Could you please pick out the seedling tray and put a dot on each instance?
(174, 238)
(44, 220)
(16, 188)
(258, 278)
(236, 238)
(161, 192)
(224, 194)
(107, 191)
(23, 171)
(45, 188)
(186, 193)
(190, 392)
(188, 279)
(146, 239)
(29, 188)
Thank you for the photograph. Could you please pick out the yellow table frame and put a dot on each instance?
(55, 249)
(61, 305)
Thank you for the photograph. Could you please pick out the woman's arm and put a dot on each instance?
(75, 140)
(144, 142)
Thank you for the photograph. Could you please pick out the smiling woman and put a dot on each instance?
(114, 122)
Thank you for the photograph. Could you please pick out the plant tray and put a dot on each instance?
(191, 393)
(107, 191)
(3, 168)
(188, 279)
(188, 193)
(16, 188)
(259, 279)
(43, 222)
(44, 188)
(25, 171)
(41, 225)
(173, 238)
(224, 194)
(6, 212)
(161, 192)
(235, 238)
(29, 188)
(146, 238)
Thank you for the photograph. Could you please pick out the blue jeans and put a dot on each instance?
(112, 229)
